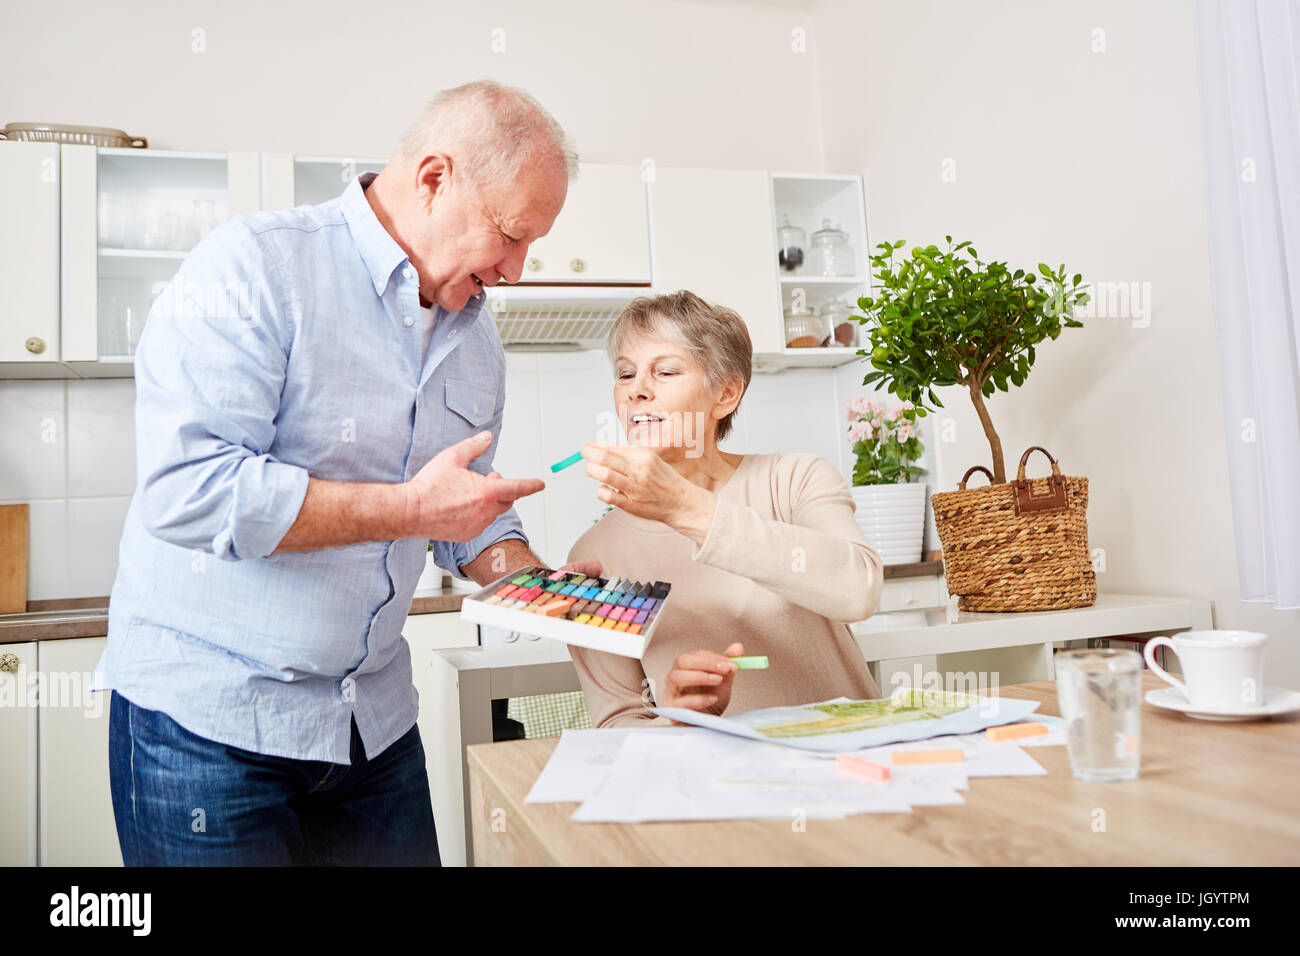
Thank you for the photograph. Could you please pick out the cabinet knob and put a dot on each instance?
(35, 345)
(908, 597)
(9, 663)
(577, 265)
(534, 263)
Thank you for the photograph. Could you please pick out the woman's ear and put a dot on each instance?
(728, 396)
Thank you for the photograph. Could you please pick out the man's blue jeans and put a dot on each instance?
(183, 800)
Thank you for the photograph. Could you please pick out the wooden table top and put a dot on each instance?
(1210, 793)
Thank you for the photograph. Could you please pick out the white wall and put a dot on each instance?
(688, 83)
(1094, 159)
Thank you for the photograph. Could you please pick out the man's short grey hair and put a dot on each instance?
(715, 336)
(491, 132)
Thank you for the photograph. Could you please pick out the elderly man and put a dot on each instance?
(318, 396)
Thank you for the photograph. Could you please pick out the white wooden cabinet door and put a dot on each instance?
(18, 720)
(427, 633)
(29, 252)
(76, 804)
(600, 235)
(714, 235)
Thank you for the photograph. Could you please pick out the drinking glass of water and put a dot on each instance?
(1100, 694)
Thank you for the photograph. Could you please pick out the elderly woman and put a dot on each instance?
(762, 551)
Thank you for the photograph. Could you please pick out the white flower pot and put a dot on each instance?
(893, 519)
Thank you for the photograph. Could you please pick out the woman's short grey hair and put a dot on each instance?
(714, 336)
(492, 131)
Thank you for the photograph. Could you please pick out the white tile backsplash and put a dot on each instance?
(47, 550)
(101, 437)
(571, 509)
(578, 402)
(94, 532)
(32, 419)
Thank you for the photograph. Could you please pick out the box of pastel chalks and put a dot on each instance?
(611, 614)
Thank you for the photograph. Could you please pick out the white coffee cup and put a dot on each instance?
(1223, 669)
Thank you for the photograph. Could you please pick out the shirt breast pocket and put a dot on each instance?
(471, 406)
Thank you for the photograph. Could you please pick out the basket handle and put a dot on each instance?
(1053, 499)
(961, 485)
(1024, 460)
(139, 142)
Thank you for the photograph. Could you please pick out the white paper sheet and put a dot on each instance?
(581, 761)
(660, 778)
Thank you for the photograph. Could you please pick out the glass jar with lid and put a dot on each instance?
(830, 254)
(838, 315)
(804, 329)
(790, 242)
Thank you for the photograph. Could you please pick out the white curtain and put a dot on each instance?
(1249, 63)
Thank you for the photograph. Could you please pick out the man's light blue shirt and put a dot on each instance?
(288, 345)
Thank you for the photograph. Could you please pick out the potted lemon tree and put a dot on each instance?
(945, 317)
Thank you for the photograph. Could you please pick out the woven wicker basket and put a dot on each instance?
(1017, 546)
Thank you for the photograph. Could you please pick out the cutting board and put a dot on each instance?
(13, 559)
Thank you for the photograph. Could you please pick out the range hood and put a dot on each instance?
(558, 317)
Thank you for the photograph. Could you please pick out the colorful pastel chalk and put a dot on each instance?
(750, 663)
(1015, 731)
(863, 768)
(566, 462)
(898, 757)
(554, 609)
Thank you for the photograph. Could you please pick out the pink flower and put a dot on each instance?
(860, 431)
(877, 422)
(905, 431)
(857, 407)
(898, 411)
(874, 409)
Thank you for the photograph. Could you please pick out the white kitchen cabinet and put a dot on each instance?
(813, 201)
(129, 218)
(289, 181)
(29, 252)
(18, 764)
(427, 633)
(600, 235)
(76, 802)
(714, 235)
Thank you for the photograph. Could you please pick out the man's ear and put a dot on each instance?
(432, 175)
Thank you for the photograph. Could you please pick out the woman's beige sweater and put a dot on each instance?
(783, 568)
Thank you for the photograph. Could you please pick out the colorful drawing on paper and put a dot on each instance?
(847, 716)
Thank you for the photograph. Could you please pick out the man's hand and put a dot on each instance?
(446, 501)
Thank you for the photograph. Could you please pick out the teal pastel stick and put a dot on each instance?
(571, 460)
(750, 663)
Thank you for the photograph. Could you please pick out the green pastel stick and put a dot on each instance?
(571, 460)
(750, 663)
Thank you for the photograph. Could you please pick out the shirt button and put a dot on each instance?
(407, 273)
(409, 321)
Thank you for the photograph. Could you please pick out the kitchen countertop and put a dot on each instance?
(88, 617)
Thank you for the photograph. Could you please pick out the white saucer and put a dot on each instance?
(1277, 700)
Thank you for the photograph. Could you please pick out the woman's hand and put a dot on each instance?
(701, 680)
(590, 568)
(641, 483)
